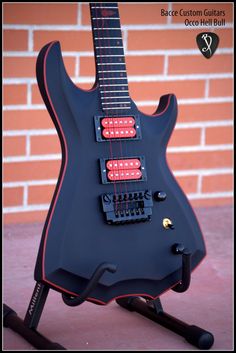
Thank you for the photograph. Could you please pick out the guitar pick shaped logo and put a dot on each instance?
(207, 43)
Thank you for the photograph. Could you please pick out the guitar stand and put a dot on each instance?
(152, 309)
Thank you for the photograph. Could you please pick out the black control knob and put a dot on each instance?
(178, 248)
(159, 196)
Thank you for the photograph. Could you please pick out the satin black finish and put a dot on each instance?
(76, 238)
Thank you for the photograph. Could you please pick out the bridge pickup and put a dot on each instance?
(123, 169)
(117, 128)
(130, 207)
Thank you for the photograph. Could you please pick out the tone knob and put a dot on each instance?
(159, 195)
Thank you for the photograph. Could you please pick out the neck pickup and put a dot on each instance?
(117, 128)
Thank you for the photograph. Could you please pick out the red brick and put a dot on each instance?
(200, 160)
(15, 40)
(196, 64)
(145, 65)
(142, 13)
(228, 8)
(14, 94)
(19, 67)
(26, 66)
(204, 112)
(173, 39)
(198, 112)
(12, 196)
(40, 194)
(36, 95)
(35, 170)
(14, 146)
(151, 90)
(185, 137)
(221, 87)
(217, 183)
(69, 40)
(219, 135)
(24, 217)
(87, 66)
(44, 144)
(39, 13)
(188, 183)
(26, 120)
(136, 13)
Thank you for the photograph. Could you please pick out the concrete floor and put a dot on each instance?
(207, 303)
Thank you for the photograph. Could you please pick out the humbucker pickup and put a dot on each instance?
(123, 169)
(130, 207)
(117, 128)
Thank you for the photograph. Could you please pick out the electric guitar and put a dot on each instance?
(117, 208)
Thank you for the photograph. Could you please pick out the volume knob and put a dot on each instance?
(159, 195)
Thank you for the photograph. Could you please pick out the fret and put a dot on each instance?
(111, 64)
(105, 18)
(112, 71)
(117, 108)
(100, 56)
(109, 47)
(112, 78)
(96, 38)
(105, 29)
(116, 103)
(114, 91)
(115, 84)
(104, 7)
(116, 97)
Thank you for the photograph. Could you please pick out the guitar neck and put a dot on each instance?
(109, 57)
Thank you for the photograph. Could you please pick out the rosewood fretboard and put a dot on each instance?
(109, 56)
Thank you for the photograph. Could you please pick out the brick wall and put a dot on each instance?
(161, 56)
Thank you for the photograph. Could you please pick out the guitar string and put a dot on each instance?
(123, 143)
(117, 113)
(110, 113)
(102, 74)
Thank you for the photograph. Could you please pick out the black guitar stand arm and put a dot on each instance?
(152, 309)
(74, 301)
(179, 249)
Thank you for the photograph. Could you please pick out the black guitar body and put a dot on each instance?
(76, 236)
